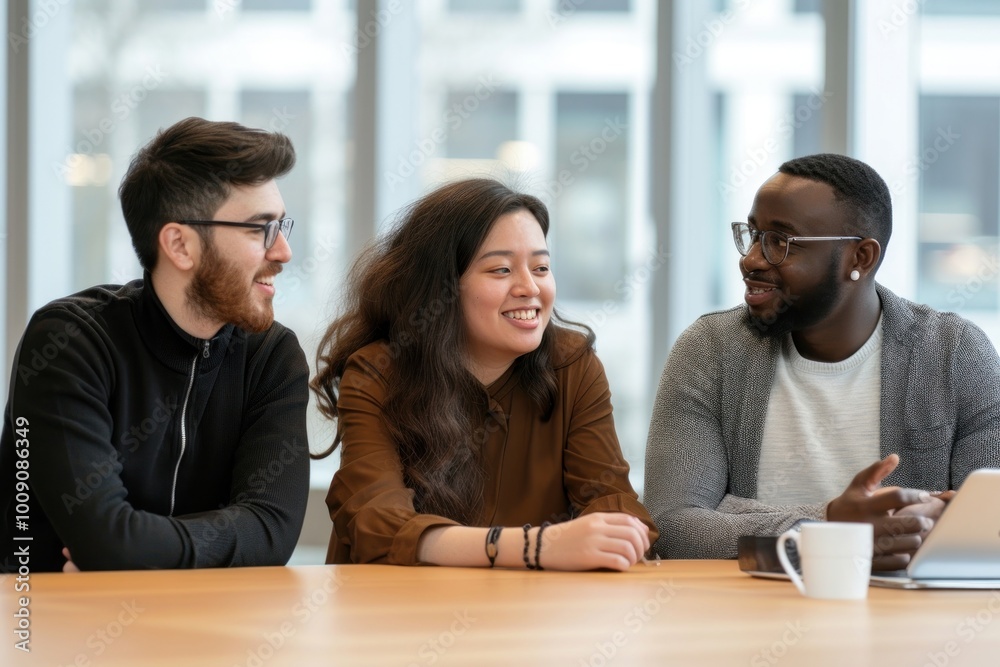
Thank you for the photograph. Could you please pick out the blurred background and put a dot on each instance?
(645, 126)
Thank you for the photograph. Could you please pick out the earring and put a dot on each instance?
(855, 274)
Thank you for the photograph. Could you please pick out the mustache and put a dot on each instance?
(762, 276)
(272, 269)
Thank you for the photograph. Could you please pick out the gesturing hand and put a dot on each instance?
(898, 532)
(932, 509)
(611, 540)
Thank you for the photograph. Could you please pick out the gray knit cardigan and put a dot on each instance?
(940, 411)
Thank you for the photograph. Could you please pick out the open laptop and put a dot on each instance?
(961, 552)
(963, 549)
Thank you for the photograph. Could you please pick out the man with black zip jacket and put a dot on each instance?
(161, 423)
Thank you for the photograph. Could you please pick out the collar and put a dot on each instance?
(898, 319)
(498, 391)
(173, 346)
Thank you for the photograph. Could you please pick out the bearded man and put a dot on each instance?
(161, 423)
(800, 403)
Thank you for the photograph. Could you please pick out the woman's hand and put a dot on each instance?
(610, 540)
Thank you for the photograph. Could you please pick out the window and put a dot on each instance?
(960, 8)
(276, 5)
(553, 101)
(959, 170)
(589, 193)
(479, 122)
(176, 5)
(570, 6)
(484, 6)
(135, 69)
(553, 97)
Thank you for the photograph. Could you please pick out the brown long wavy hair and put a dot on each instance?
(404, 290)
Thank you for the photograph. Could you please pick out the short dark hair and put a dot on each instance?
(856, 185)
(187, 171)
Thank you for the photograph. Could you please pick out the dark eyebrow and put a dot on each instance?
(263, 217)
(510, 253)
(777, 225)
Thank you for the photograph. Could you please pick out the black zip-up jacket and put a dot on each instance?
(137, 445)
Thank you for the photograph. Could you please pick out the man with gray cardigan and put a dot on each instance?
(766, 412)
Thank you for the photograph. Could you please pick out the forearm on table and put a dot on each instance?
(462, 546)
(696, 532)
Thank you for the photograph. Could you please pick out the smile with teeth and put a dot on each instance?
(522, 314)
(269, 280)
(760, 290)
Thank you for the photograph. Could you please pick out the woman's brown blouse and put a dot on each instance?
(535, 471)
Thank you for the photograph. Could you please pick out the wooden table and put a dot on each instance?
(676, 613)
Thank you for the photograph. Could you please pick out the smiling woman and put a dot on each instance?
(464, 404)
(506, 295)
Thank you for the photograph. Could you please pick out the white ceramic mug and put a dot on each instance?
(836, 559)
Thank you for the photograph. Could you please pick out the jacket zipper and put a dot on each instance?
(177, 468)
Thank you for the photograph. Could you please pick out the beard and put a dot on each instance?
(798, 311)
(218, 291)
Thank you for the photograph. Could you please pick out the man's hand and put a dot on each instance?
(899, 532)
(70, 566)
(932, 509)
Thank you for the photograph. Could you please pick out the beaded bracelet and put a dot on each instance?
(491, 543)
(527, 562)
(538, 545)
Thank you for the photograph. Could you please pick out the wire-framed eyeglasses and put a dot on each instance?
(774, 245)
(270, 228)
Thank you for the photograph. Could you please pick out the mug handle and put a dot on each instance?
(792, 535)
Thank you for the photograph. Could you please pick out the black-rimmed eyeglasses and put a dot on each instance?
(774, 245)
(270, 228)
